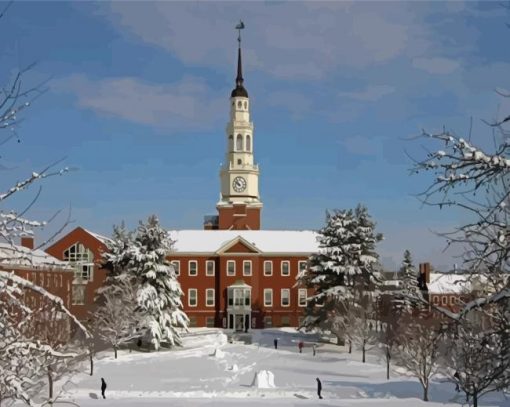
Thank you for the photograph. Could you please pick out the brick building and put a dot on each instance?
(233, 274)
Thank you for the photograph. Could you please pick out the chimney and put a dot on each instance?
(28, 242)
(425, 271)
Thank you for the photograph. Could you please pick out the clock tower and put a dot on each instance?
(239, 205)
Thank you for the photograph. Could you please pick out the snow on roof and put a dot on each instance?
(101, 238)
(14, 255)
(269, 241)
(442, 283)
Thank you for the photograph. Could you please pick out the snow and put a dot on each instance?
(273, 241)
(101, 238)
(263, 380)
(441, 283)
(14, 255)
(189, 376)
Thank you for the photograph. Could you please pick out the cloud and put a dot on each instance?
(312, 41)
(369, 94)
(185, 105)
(439, 66)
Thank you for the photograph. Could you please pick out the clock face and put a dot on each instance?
(239, 184)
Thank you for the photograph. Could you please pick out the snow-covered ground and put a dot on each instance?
(208, 371)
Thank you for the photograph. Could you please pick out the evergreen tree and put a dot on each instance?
(140, 259)
(409, 291)
(344, 264)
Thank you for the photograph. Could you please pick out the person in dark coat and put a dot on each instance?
(275, 341)
(457, 388)
(103, 387)
(300, 346)
(314, 348)
(319, 387)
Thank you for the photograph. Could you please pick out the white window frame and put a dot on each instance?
(80, 287)
(300, 262)
(444, 300)
(207, 291)
(189, 268)
(281, 268)
(270, 319)
(190, 290)
(287, 290)
(302, 291)
(207, 268)
(266, 303)
(207, 319)
(177, 267)
(234, 272)
(244, 269)
(80, 257)
(270, 262)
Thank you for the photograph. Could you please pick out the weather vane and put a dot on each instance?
(239, 27)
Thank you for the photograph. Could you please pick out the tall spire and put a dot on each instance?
(239, 90)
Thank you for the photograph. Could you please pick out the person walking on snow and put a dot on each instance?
(103, 387)
(275, 341)
(319, 387)
(300, 346)
(314, 349)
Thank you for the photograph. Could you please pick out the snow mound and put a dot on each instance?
(263, 380)
(233, 368)
(218, 353)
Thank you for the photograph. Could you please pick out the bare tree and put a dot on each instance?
(118, 317)
(419, 350)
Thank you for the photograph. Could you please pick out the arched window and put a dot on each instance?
(82, 260)
(246, 105)
(239, 143)
(239, 104)
(248, 142)
(230, 142)
(239, 161)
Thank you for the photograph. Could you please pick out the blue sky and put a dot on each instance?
(138, 103)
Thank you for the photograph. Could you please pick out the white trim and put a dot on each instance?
(178, 269)
(213, 297)
(207, 262)
(299, 265)
(251, 268)
(281, 296)
(271, 263)
(231, 262)
(300, 291)
(189, 297)
(281, 268)
(269, 290)
(189, 268)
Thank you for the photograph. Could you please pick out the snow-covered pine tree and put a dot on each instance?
(409, 291)
(158, 291)
(344, 263)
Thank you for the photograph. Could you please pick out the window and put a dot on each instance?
(177, 267)
(302, 297)
(209, 322)
(193, 322)
(231, 142)
(239, 104)
(247, 268)
(239, 161)
(285, 300)
(246, 105)
(248, 142)
(209, 268)
(231, 268)
(285, 268)
(302, 266)
(268, 322)
(82, 259)
(301, 319)
(452, 300)
(239, 143)
(192, 268)
(268, 268)
(209, 297)
(435, 300)
(268, 297)
(78, 294)
(285, 321)
(444, 300)
(192, 297)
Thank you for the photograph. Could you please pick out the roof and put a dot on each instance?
(442, 283)
(268, 241)
(101, 238)
(16, 256)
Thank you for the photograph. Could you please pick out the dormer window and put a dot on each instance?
(82, 259)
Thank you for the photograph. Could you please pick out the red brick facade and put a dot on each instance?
(239, 217)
